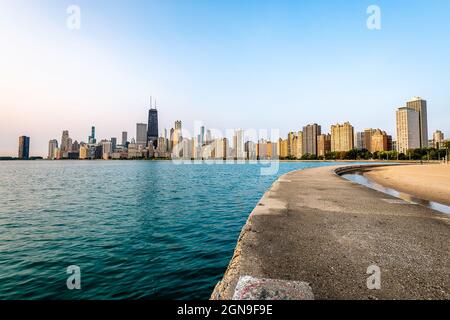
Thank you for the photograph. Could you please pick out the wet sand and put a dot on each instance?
(428, 182)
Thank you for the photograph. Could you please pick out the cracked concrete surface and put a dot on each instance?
(315, 227)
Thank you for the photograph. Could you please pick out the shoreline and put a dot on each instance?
(328, 234)
(427, 182)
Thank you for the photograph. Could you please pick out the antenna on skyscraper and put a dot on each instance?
(150, 102)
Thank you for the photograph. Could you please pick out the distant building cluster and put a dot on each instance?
(308, 143)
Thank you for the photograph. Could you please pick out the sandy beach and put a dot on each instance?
(429, 182)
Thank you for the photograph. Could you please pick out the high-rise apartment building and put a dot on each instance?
(106, 149)
(65, 143)
(52, 147)
(380, 141)
(176, 139)
(342, 137)
(283, 148)
(141, 134)
(113, 145)
(438, 139)
(124, 138)
(238, 145)
(408, 131)
(420, 105)
(298, 145)
(323, 144)
(310, 134)
(367, 142)
(290, 144)
(24, 148)
(359, 140)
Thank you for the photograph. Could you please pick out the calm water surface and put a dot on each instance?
(137, 230)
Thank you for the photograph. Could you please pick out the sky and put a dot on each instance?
(230, 64)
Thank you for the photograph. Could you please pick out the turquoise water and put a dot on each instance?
(137, 230)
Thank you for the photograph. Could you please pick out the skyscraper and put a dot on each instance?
(153, 131)
(438, 139)
(323, 144)
(141, 134)
(359, 141)
(65, 147)
(92, 139)
(52, 146)
(176, 136)
(238, 145)
(124, 138)
(24, 148)
(310, 133)
(113, 144)
(342, 137)
(202, 136)
(420, 105)
(408, 132)
(379, 142)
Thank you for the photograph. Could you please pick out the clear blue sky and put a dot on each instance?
(230, 64)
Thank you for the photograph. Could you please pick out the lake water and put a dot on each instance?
(137, 229)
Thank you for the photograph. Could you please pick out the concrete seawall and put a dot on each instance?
(317, 228)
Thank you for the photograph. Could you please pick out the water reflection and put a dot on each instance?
(360, 178)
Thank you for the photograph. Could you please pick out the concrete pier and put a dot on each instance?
(316, 228)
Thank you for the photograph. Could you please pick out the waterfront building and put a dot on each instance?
(107, 149)
(272, 150)
(65, 143)
(219, 149)
(408, 131)
(290, 144)
(250, 149)
(208, 137)
(124, 138)
(420, 105)
(368, 133)
(202, 136)
(238, 145)
(283, 148)
(261, 150)
(438, 139)
(359, 140)
(176, 138)
(380, 141)
(113, 144)
(310, 133)
(298, 145)
(141, 134)
(323, 144)
(153, 131)
(91, 138)
(342, 137)
(24, 148)
(136, 151)
(161, 149)
(75, 146)
(52, 146)
(84, 152)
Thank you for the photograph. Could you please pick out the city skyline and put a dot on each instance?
(310, 141)
(263, 71)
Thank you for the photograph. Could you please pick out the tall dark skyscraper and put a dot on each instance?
(24, 148)
(92, 139)
(152, 128)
